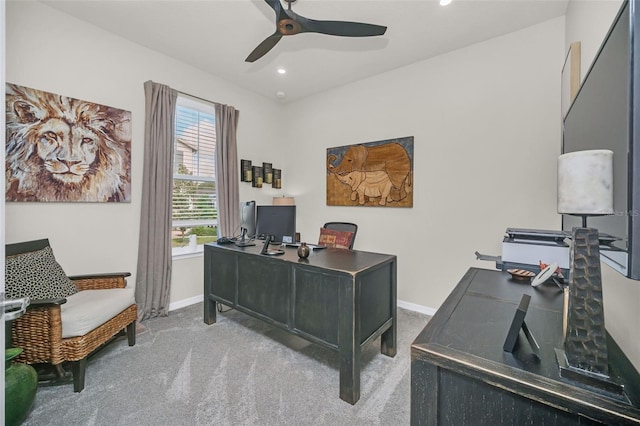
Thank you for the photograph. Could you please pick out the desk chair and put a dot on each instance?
(344, 226)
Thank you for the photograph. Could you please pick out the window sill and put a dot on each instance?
(186, 252)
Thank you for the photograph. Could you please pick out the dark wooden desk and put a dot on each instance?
(340, 299)
(461, 376)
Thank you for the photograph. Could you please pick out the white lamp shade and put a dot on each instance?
(283, 201)
(585, 182)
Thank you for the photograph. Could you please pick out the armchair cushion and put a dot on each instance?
(88, 309)
(337, 239)
(36, 274)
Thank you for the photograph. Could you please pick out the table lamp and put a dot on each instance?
(283, 201)
(585, 188)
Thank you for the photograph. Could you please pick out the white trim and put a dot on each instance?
(417, 308)
(185, 302)
(186, 252)
(190, 223)
(401, 304)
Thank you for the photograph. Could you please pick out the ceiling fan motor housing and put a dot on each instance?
(288, 27)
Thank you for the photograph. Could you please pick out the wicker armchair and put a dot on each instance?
(40, 331)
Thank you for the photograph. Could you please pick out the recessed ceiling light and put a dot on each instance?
(282, 71)
(281, 94)
(444, 2)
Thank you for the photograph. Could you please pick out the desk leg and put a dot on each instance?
(349, 343)
(388, 338)
(209, 305)
(209, 310)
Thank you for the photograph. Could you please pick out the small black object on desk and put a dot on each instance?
(303, 251)
(517, 324)
(265, 248)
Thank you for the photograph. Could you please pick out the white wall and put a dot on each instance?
(486, 127)
(63, 55)
(589, 22)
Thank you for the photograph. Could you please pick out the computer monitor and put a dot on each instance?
(248, 219)
(279, 221)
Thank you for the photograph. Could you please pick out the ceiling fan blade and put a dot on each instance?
(340, 28)
(262, 49)
(275, 5)
(281, 12)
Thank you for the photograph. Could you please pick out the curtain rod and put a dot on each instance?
(191, 96)
(197, 97)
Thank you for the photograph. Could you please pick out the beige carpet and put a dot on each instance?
(239, 371)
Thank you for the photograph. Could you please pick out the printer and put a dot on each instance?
(526, 248)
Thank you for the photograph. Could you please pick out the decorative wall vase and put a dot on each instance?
(303, 251)
(21, 382)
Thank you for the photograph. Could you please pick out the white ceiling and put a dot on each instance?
(217, 35)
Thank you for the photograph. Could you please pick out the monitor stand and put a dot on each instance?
(244, 241)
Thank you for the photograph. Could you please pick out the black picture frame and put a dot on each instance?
(517, 324)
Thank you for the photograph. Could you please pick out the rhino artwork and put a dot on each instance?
(368, 184)
(390, 159)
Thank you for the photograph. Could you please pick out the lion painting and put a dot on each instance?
(65, 149)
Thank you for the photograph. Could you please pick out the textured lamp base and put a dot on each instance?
(585, 354)
(599, 381)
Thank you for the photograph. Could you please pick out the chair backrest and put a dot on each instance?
(344, 226)
(25, 247)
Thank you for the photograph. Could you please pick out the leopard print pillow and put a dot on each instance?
(37, 275)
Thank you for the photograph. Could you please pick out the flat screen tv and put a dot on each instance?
(605, 114)
(279, 221)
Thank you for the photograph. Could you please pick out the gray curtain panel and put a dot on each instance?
(153, 278)
(227, 170)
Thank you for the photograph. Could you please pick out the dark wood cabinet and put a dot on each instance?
(340, 299)
(460, 374)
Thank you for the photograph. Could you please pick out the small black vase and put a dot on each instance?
(303, 251)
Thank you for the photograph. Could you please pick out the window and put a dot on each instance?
(194, 213)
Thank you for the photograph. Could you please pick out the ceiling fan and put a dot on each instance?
(290, 23)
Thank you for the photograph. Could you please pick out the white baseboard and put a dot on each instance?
(185, 302)
(417, 308)
(401, 304)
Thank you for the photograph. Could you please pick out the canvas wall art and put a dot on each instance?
(372, 174)
(61, 149)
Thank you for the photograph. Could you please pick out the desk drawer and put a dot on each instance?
(264, 287)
